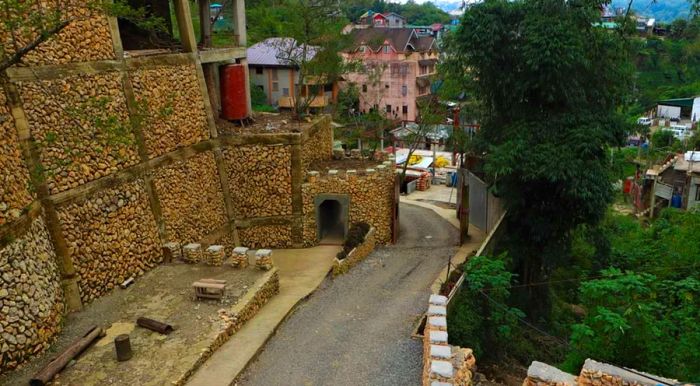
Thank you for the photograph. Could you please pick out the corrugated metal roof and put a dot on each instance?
(282, 52)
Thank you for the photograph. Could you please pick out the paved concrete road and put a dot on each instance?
(355, 330)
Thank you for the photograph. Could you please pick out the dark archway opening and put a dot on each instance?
(330, 217)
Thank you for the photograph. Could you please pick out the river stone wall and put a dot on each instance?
(72, 44)
(370, 193)
(317, 143)
(81, 128)
(260, 179)
(172, 99)
(15, 194)
(31, 298)
(191, 198)
(111, 235)
(266, 236)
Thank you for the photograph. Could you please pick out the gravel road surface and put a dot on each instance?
(356, 330)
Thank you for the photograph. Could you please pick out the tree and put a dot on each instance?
(550, 84)
(311, 40)
(28, 24)
(429, 116)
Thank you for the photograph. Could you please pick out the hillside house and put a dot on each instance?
(398, 66)
(382, 20)
(273, 66)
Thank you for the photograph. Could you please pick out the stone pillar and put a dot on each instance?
(240, 257)
(215, 255)
(263, 259)
(192, 253)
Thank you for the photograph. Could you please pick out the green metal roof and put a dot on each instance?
(678, 102)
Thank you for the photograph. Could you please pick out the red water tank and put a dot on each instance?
(234, 100)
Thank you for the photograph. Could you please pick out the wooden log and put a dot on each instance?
(154, 325)
(47, 373)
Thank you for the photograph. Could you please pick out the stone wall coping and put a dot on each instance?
(550, 374)
(438, 321)
(215, 248)
(437, 310)
(263, 253)
(333, 172)
(442, 368)
(313, 173)
(438, 300)
(438, 383)
(370, 170)
(240, 250)
(440, 351)
(438, 337)
(637, 377)
(192, 246)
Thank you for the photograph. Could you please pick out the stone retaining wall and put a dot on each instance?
(235, 318)
(72, 44)
(266, 236)
(191, 198)
(317, 143)
(31, 298)
(80, 126)
(356, 256)
(111, 235)
(15, 194)
(171, 101)
(442, 362)
(260, 179)
(370, 193)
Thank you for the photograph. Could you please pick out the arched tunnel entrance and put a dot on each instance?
(331, 218)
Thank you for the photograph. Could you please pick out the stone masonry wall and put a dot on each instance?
(15, 194)
(371, 199)
(191, 198)
(72, 44)
(260, 179)
(81, 128)
(442, 362)
(356, 256)
(266, 236)
(31, 298)
(112, 235)
(317, 143)
(172, 99)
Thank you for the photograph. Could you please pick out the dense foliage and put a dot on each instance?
(642, 308)
(356, 235)
(537, 68)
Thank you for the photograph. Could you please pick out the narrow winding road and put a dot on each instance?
(356, 330)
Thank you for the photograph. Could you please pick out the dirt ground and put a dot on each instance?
(262, 123)
(163, 294)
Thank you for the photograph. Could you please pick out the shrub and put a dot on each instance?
(356, 235)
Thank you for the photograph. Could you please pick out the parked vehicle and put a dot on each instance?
(644, 121)
(680, 131)
(676, 119)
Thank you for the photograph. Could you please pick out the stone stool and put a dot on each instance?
(240, 257)
(192, 253)
(172, 251)
(263, 259)
(215, 255)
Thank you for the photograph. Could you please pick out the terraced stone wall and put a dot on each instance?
(15, 187)
(111, 235)
(317, 143)
(31, 298)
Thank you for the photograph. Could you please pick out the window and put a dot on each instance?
(328, 87)
(275, 86)
(394, 69)
(386, 86)
(388, 108)
(364, 88)
(404, 68)
(404, 90)
(405, 109)
(361, 49)
(259, 70)
(697, 192)
(285, 91)
(386, 49)
(274, 73)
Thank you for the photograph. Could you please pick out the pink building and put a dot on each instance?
(397, 68)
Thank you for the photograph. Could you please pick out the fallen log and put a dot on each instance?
(154, 325)
(49, 371)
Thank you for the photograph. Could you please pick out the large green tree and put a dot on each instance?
(551, 85)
